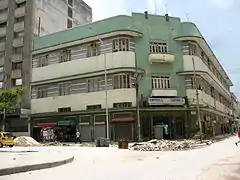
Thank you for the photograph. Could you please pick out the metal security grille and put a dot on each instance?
(160, 82)
(158, 47)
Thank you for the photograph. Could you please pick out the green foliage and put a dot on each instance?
(10, 99)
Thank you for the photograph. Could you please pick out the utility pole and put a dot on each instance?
(106, 89)
(197, 99)
(137, 106)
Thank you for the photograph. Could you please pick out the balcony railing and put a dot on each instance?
(19, 26)
(19, 12)
(3, 17)
(16, 73)
(3, 31)
(16, 58)
(3, 4)
(17, 42)
(2, 46)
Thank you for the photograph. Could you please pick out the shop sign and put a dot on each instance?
(166, 101)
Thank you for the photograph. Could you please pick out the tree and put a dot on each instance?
(10, 99)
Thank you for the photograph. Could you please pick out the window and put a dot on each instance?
(93, 49)
(18, 50)
(4, 24)
(192, 49)
(161, 82)
(64, 89)
(122, 44)
(1, 85)
(122, 81)
(18, 34)
(70, 12)
(21, 4)
(42, 92)
(158, 47)
(122, 105)
(64, 56)
(93, 85)
(65, 109)
(16, 82)
(43, 60)
(17, 65)
(1, 69)
(70, 2)
(69, 23)
(92, 107)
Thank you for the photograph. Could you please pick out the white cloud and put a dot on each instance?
(223, 3)
(107, 8)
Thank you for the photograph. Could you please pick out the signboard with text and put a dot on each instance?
(166, 101)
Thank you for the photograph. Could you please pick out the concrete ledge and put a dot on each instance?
(26, 168)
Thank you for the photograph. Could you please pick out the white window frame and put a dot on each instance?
(19, 82)
(1, 85)
(93, 49)
(158, 47)
(161, 82)
(121, 44)
(124, 81)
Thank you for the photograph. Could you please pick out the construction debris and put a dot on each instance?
(163, 145)
(26, 141)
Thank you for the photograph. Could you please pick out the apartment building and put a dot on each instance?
(20, 22)
(158, 54)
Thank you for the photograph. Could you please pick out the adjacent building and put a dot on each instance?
(20, 22)
(157, 55)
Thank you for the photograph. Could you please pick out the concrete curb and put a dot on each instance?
(26, 168)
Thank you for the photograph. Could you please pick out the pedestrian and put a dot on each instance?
(238, 137)
(78, 137)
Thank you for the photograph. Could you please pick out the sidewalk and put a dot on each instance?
(17, 162)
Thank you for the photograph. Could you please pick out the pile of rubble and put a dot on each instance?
(26, 141)
(163, 145)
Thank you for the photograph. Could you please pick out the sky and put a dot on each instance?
(216, 19)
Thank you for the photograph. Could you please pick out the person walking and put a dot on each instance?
(238, 137)
(78, 137)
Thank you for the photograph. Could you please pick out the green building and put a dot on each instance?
(156, 55)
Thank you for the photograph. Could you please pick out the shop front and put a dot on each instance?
(51, 129)
(123, 126)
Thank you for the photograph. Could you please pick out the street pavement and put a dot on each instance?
(216, 162)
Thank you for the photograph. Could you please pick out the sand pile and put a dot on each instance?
(26, 141)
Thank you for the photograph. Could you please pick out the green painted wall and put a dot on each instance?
(153, 28)
(157, 28)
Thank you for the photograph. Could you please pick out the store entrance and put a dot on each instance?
(66, 133)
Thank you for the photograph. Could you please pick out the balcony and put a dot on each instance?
(1, 61)
(116, 62)
(20, 1)
(19, 26)
(1, 77)
(206, 100)
(164, 93)
(3, 4)
(204, 72)
(51, 104)
(18, 42)
(2, 46)
(16, 73)
(161, 58)
(3, 31)
(3, 17)
(16, 58)
(19, 12)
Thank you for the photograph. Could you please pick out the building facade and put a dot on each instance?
(20, 22)
(158, 56)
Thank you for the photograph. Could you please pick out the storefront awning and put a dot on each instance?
(47, 124)
(123, 120)
(64, 123)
